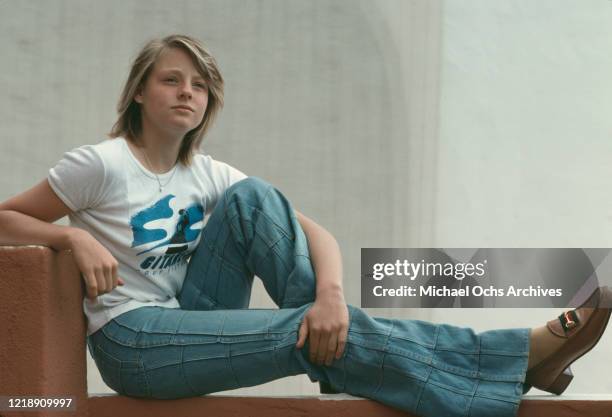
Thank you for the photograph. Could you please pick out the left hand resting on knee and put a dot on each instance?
(326, 327)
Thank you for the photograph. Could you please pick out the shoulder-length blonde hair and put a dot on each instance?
(129, 123)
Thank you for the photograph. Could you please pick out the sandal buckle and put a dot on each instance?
(569, 320)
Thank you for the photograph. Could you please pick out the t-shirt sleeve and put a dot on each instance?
(223, 176)
(78, 178)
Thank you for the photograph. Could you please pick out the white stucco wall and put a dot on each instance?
(525, 141)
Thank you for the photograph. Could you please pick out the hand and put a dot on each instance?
(326, 327)
(96, 264)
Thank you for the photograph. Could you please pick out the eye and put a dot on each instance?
(170, 79)
(200, 85)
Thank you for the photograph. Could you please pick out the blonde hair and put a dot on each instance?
(129, 123)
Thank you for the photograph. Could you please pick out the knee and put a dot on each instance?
(251, 186)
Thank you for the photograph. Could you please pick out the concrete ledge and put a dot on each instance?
(560, 407)
(338, 405)
(42, 327)
(221, 406)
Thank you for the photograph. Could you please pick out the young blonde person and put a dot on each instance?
(167, 296)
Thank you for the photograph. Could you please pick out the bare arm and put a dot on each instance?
(20, 229)
(325, 255)
(325, 325)
(28, 219)
(33, 225)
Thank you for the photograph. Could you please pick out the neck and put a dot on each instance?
(159, 150)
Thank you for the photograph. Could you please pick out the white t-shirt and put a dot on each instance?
(150, 233)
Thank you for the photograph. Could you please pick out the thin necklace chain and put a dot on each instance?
(161, 187)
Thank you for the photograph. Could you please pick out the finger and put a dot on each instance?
(302, 335)
(120, 281)
(322, 347)
(313, 344)
(331, 348)
(341, 343)
(101, 280)
(108, 278)
(91, 286)
(114, 275)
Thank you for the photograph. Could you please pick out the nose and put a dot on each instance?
(185, 91)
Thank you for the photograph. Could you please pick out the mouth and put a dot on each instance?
(183, 108)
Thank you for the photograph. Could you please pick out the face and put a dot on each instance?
(175, 95)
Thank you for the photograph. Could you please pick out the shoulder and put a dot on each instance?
(206, 165)
(111, 153)
(103, 161)
(216, 171)
(108, 148)
(212, 166)
(96, 153)
(201, 160)
(82, 174)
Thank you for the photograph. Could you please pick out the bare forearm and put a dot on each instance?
(20, 229)
(325, 256)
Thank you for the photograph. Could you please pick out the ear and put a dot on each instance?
(138, 96)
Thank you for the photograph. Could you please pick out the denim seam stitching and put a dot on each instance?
(271, 246)
(144, 374)
(228, 351)
(501, 353)
(119, 379)
(267, 185)
(427, 360)
(163, 331)
(458, 350)
(117, 369)
(342, 366)
(229, 355)
(174, 364)
(262, 212)
(183, 374)
(416, 342)
(182, 355)
(275, 346)
(213, 249)
(407, 373)
(492, 397)
(449, 388)
(224, 259)
(219, 338)
(269, 252)
(263, 200)
(105, 353)
(384, 356)
(469, 410)
(118, 341)
(430, 370)
(347, 346)
(499, 378)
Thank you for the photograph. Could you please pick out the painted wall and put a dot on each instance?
(392, 123)
(524, 141)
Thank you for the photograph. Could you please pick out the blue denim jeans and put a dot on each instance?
(215, 343)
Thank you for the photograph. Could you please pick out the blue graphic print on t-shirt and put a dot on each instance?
(161, 210)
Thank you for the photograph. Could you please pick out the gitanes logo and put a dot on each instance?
(176, 243)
